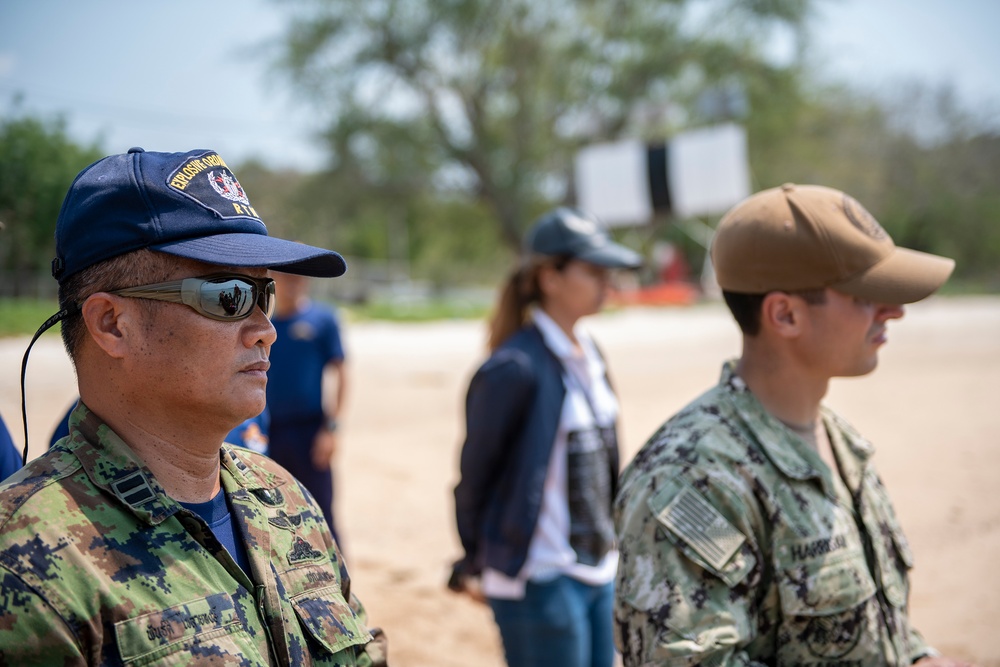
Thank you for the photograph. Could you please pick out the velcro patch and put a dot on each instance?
(702, 527)
(133, 489)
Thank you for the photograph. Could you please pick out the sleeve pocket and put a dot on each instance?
(702, 533)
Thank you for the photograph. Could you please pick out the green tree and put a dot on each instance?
(490, 100)
(38, 162)
(919, 159)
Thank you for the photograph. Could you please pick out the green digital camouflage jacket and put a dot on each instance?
(737, 547)
(98, 566)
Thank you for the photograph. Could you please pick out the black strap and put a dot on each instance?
(46, 325)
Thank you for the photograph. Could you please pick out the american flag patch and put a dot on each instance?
(702, 527)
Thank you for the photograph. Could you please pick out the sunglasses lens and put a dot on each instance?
(232, 298)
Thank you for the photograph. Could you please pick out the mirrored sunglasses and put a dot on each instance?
(220, 297)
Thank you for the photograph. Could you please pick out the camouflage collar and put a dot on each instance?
(239, 463)
(787, 451)
(112, 466)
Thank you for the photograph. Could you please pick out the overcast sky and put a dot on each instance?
(186, 74)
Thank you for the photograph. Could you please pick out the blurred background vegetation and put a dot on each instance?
(451, 124)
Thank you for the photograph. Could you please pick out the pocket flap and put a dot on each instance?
(824, 587)
(155, 631)
(329, 620)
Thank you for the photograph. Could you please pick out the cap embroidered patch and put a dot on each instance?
(862, 219)
(207, 180)
(694, 520)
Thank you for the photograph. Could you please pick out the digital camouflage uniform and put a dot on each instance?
(99, 566)
(738, 547)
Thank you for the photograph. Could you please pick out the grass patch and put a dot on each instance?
(423, 311)
(22, 317)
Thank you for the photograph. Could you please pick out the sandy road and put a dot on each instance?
(932, 409)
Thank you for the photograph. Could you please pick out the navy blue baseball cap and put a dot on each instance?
(185, 204)
(568, 232)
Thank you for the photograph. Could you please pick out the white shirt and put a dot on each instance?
(549, 552)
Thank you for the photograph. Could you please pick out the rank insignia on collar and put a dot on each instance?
(133, 489)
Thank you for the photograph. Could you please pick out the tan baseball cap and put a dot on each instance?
(802, 237)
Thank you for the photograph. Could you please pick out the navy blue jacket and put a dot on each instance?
(512, 412)
(10, 457)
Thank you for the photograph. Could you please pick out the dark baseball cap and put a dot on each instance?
(185, 204)
(568, 232)
(803, 237)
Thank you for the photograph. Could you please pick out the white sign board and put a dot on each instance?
(707, 170)
(612, 183)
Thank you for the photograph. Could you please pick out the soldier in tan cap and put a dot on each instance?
(752, 526)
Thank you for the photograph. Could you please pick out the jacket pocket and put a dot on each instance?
(328, 619)
(207, 627)
(826, 605)
(824, 586)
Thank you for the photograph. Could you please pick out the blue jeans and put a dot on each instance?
(559, 623)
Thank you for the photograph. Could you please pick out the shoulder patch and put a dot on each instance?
(702, 527)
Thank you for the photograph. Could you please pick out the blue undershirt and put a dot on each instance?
(223, 524)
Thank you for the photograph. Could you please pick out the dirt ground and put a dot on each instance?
(931, 409)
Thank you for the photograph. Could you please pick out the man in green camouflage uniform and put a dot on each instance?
(142, 539)
(752, 525)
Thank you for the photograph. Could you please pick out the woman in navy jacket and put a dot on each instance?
(540, 461)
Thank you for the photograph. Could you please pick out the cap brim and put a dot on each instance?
(259, 250)
(904, 276)
(611, 255)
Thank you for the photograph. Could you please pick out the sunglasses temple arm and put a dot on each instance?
(46, 325)
(168, 292)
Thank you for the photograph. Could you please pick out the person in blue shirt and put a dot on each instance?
(304, 419)
(10, 458)
(253, 433)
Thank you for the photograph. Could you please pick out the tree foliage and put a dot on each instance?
(925, 165)
(487, 101)
(39, 162)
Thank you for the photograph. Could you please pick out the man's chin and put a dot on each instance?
(862, 370)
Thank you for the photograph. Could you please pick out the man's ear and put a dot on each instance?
(781, 314)
(108, 319)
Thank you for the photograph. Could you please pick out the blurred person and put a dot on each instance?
(753, 526)
(540, 459)
(253, 433)
(304, 431)
(141, 538)
(10, 457)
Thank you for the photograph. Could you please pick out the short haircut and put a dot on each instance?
(746, 308)
(139, 267)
